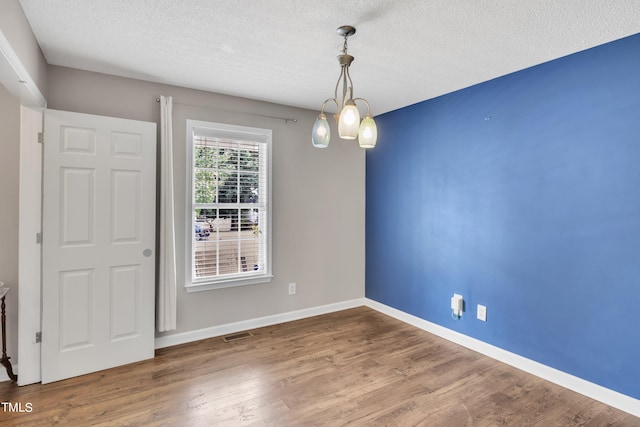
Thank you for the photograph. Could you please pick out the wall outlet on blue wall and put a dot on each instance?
(482, 313)
(457, 305)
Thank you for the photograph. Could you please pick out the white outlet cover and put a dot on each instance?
(482, 313)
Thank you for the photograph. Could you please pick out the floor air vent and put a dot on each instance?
(238, 336)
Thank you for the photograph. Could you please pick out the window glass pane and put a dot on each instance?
(249, 240)
(204, 247)
(249, 187)
(204, 156)
(249, 158)
(228, 158)
(205, 186)
(205, 260)
(228, 244)
(228, 190)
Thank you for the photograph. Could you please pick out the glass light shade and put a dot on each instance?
(349, 122)
(321, 132)
(368, 134)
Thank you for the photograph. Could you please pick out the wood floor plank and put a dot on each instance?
(356, 367)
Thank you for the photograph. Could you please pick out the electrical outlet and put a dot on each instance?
(482, 313)
(292, 288)
(457, 305)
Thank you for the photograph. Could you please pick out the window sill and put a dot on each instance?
(228, 283)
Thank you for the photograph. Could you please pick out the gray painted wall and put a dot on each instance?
(318, 195)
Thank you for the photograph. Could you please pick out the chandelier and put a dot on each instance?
(348, 116)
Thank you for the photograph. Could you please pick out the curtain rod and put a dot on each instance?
(285, 119)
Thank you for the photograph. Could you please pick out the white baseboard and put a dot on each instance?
(3, 372)
(230, 328)
(589, 389)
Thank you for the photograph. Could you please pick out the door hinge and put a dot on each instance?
(40, 138)
(38, 237)
(38, 337)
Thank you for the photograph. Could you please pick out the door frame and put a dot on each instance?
(29, 247)
(15, 78)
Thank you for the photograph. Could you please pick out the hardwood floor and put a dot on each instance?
(356, 367)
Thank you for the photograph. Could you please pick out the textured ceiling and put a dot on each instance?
(284, 51)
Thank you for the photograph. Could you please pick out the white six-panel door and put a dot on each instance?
(98, 243)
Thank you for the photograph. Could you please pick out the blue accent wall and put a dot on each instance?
(522, 194)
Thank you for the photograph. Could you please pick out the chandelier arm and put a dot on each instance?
(366, 102)
(325, 103)
(348, 76)
(335, 93)
(345, 86)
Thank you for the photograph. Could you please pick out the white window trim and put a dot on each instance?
(239, 132)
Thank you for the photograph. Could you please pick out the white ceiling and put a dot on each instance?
(284, 51)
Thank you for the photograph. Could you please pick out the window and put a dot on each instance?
(229, 205)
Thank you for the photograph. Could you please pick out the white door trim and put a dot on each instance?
(15, 77)
(29, 249)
